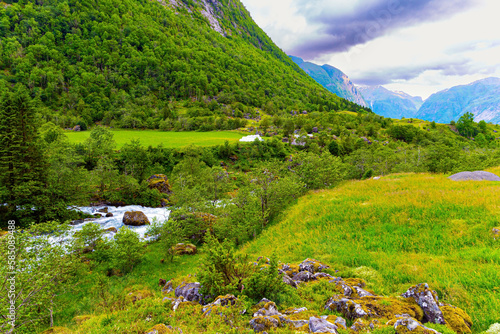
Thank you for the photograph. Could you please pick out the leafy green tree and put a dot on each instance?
(135, 159)
(466, 126)
(44, 266)
(99, 145)
(318, 171)
(275, 188)
(171, 233)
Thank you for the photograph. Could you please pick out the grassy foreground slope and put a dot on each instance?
(167, 139)
(399, 231)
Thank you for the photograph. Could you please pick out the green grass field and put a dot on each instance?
(399, 231)
(168, 139)
(393, 232)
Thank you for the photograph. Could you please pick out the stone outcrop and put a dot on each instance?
(428, 301)
(190, 292)
(135, 218)
(319, 325)
(221, 301)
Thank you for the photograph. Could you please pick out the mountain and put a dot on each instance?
(481, 98)
(128, 62)
(391, 104)
(332, 79)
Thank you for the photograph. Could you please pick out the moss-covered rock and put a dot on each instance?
(159, 329)
(408, 325)
(160, 183)
(135, 218)
(312, 265)
(265, 323)
(80, 319)
(456, 319)
(374, 307)
(182, 249)
(218, 304)
(496, 232)
(427, 299)
(135, 296)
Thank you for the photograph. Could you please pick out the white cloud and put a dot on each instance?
(420, 59)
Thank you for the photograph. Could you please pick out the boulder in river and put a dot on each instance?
(135, 218)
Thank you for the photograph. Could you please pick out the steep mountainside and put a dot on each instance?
(123, 62)
(332, 79)
(391, 104)
(481, 98)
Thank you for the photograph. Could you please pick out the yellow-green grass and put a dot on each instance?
(166, 138)
(415, 122)
(347, 112)
(398, 231)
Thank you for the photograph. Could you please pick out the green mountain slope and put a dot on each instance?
(124, 62)
(332, 79)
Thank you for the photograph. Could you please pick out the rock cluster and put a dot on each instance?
(407, 313)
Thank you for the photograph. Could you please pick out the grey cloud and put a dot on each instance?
(387, 76)
(340, 32)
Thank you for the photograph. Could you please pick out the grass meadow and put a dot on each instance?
(393, 232)
(166, 138)
(399, 231)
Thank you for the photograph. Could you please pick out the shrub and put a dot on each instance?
(126, 249)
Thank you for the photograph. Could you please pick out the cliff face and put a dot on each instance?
(332, 79)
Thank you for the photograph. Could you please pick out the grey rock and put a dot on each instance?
(303, 276)
(362, 292)
(288, 280)
(319, 325)
(168, 287)
(190, 292)
(262, 323)
(322, 275)
(308, 265)
(269, 309)
(294, 323)
(474, 176)
(411, 325)
(347, 307)
(427, 300)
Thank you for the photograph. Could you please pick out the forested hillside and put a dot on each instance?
(126, 63)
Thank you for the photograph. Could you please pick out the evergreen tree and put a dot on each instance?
(22, 166)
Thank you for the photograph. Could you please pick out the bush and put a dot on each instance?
(126, 249)
(264, 281)
(368, 174)
(223, 271)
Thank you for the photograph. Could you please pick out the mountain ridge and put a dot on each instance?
(332, 79)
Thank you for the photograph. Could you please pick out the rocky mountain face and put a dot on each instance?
(391, 104)
(481, 98)
(332, 79)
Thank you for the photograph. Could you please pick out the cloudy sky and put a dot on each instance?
(416, 46)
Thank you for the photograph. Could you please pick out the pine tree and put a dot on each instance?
(22, 167)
